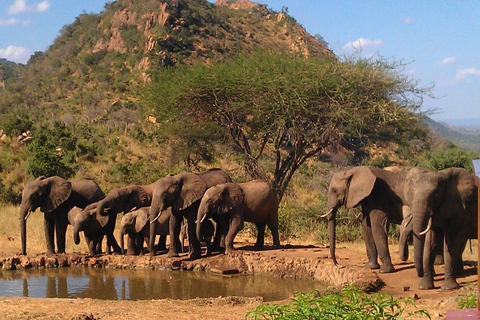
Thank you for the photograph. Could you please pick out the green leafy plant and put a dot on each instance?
(348, 303)
(468, 301)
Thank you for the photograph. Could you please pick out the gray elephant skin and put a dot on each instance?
(182, 192)
(252, 201)
(441, 203)
(55, 196)
(94, 227)
(380, 194)
(207, 231)
(125, 199)
(136, 225)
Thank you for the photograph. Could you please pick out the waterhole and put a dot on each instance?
(121, 284)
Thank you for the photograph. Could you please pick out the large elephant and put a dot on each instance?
(136, 225)
(441, 203)
(380, 193)
(55, 196)
(183, 192)
(252, 201)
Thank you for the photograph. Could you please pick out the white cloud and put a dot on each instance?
(362, 44)
(465, 73)
(9, 22)
(21, 6)
(447, 60)
(14, 53)
(409, 20)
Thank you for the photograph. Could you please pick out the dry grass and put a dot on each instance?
(10, 240)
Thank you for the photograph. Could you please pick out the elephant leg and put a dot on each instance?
(61, 230)
(236, 224)
(131, 244)
(273, 226)
(452, 252)
(162, 243)
(92, 250)
(195, 248)
(379, 224)
(112, 242)
(175, 224)
(260, 236)
(439, 248)
(369, 244)
(49, 225)
(426, 282)
(208, 243)
(221, 231)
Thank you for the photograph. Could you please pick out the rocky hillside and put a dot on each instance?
(98, 62)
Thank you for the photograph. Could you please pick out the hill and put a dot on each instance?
(463, 135)
(83, 91)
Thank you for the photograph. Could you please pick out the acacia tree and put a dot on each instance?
(288, 107)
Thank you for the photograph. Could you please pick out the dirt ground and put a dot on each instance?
(294, 260)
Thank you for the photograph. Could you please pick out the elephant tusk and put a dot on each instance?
(409, 220)
(157, 217)
(28, 215)
(326, 214)
(429, 226)
(203, 218)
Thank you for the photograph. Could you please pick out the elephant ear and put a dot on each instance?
(60, 190)
(102, 220)
(72, 214)
(361, 182)
(232, 196)
(140, 220)
(143, 195)
(191, 188)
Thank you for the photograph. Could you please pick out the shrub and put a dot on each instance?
(348, 303)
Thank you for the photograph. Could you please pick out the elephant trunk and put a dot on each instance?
(331, 233)
(155, 212)
(203, 210)
(406, 229)
(24, 212)
(420, 222)
(76, 234)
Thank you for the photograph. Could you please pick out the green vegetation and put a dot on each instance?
(288, 108)
(348, 303)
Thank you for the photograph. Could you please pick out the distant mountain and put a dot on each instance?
(466, 134)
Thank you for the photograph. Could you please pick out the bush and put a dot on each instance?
(348, 303)
(442, 158)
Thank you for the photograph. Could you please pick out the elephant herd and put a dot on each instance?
(159, 208)
(438, 208)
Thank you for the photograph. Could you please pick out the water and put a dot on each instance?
(120, 284)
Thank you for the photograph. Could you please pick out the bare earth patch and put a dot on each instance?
(300, 261)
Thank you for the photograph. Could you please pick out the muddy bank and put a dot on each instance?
(308, 262)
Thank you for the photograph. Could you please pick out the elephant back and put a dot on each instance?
(260, 200)
(214, 176)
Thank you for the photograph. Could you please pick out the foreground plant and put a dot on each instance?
(348, 303)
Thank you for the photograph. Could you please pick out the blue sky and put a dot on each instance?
(439, 40)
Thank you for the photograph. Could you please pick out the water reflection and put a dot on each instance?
(114, 284)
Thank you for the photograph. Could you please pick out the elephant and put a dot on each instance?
(94, 227)
(135, 225)
(125, 199)
(55, 196)
(252, 201)
(183, 192)
(380, 193)
(444, 206)
(207, 231)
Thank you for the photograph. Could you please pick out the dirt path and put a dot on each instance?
(300, 261)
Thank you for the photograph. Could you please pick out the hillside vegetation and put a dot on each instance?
(151, 87)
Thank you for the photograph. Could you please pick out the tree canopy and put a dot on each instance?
(288, 107)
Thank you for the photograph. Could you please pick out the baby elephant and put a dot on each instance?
(94, 227)
(207, 230)
(252, 201)
(136, 224)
